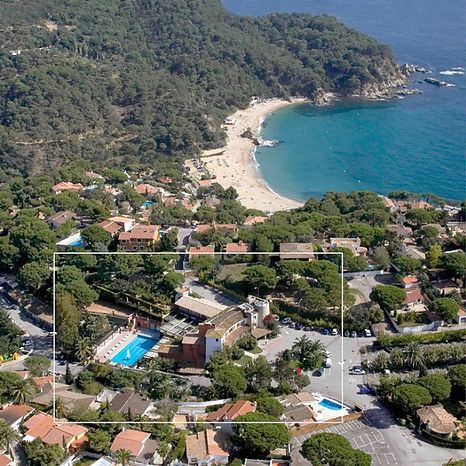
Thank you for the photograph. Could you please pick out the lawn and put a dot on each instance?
(244, 360)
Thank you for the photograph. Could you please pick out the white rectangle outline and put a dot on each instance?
(153, 253)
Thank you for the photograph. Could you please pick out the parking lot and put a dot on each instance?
(362, 436)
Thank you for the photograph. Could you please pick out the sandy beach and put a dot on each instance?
(235, 166)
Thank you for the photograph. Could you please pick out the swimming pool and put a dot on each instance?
(329, 404)
(134, 350)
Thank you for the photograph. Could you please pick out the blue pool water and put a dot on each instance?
(329, 404)
(137, 349)
(147, 203)
(78, 242)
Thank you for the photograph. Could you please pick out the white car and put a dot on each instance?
(326, 353)
(334, 332)
(357, 371)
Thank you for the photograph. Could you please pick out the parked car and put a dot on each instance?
(328, 363)
(334, 332)
(347, 333)
(357, 371)
(307, 329)
(367, 333)
(318, 372)
(364, 390)
(353, 334)
(27, 343)
(327, 353)
(325, 331)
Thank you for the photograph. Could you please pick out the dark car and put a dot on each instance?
(325, 332)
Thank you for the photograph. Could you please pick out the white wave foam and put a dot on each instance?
(453, 71)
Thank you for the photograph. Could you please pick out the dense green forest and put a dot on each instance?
(132, 80)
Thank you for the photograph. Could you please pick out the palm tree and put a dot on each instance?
(300, 347)
(23, 392)
(85, 350)
(414, 355)
(123, 456)
(397, 358)
(7, 435)
(381, 361)
(308, 353)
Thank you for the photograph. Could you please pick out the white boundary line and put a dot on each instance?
(150, 253)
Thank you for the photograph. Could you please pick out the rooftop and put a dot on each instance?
(438, 419)
(206, 443)
(200, 306)
(13, 413)
(230, 411)
(140, 232)
(132, 440)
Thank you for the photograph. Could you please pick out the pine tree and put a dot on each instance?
(68, 375)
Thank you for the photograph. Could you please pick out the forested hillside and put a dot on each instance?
(131, 80)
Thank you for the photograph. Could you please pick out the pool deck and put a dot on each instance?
(114, 345)
(325, 414)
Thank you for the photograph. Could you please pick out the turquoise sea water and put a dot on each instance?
(415, 144)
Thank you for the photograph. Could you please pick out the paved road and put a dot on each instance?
(21, 318)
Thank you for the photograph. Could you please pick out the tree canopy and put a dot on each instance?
(133, 81)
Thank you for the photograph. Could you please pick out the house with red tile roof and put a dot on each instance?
(139, 238)
(413, 297)
(6, 461)
(237, 248)
(208, 448)
(196, 251)
(409, 281)
(13, 415)
(139, 443)
(421, 205)
(42, 426)
(253, 220)
(230, 411)
(67, 186)
(145, 189)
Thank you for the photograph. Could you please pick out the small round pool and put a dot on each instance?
(329, 404)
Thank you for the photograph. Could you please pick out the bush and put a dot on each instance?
(446, 336)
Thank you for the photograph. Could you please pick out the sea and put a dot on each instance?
(416, 143)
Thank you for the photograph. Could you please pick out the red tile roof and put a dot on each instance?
(5, 461)
(237, 247)
(413, 295)
(67, 186)
(252, 220)
(231, 411)
(148, 232)
(132, 440)
(13, 413)
(145, 188)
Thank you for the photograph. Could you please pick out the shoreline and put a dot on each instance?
(236, 166)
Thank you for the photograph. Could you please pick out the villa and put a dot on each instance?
(237, 248)
(14, 415)
(146, 189)
(42, 426)
(200, 251)
(253, 220)
(139, 238)
(297, 251)
(208, 448)
(139, 444)
(67, 186)
(230, 411)
(225, 327)
(128, 400)
(353, 244)
(58, 219)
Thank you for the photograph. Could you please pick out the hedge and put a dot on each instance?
(445, 336)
